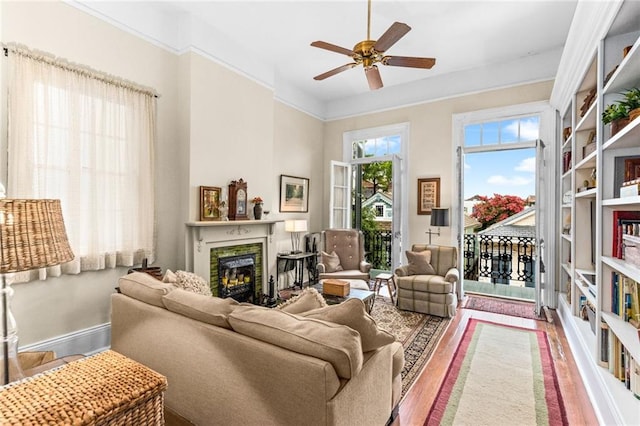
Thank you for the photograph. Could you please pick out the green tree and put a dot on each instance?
(379, 174)
(369, 222)
(494, 209)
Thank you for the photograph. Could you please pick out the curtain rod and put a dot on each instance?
(83, 69)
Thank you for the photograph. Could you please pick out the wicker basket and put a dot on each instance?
(105, 389)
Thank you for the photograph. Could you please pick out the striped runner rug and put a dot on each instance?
(500, 375)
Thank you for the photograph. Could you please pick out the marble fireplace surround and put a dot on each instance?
(201, 237)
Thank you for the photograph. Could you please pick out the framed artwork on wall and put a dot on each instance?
(209, 203)
(294, 194)
(428, 195)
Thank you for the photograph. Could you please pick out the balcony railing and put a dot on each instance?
(377, 246)
(499, 259)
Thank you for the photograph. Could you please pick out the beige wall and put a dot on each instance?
(430, 151)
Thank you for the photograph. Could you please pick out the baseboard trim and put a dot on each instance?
(86, 342)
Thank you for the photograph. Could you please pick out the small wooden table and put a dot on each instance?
(389, 281)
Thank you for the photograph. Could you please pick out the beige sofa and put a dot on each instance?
(241, 372)
(427, 284)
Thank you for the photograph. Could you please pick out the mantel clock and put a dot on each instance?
(238, 200)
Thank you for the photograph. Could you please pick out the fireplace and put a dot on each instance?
(237, 277)
(209, 241)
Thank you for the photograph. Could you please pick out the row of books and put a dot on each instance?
(625, 298)
(619, 361)
(624, 223)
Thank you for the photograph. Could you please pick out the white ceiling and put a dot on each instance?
(477, 44)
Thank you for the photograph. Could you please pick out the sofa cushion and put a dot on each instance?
(426, 284)
(352, 313)
(420, 263)
(331, 261)
(145, 288)
(211, 310)
(337, 344)
(307, 300)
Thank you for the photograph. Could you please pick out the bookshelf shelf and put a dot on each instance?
(622, 267)
(627, 73)
(589, 120)
(626, 201)
(625, 138)
(626, 333)
(589, 193)
(588, 162)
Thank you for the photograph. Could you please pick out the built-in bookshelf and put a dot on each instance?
(599, 230)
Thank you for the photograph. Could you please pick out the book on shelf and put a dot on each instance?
(566, 161)
(624, 298)
(623, 223)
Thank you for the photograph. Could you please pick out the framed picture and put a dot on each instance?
(294, 194)
(428, 194)
(209, 203)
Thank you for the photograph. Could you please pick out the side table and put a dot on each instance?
(107, 388)
(389, 281)
(299, 260)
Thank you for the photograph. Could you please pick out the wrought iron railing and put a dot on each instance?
(377, 246)
(499, 258)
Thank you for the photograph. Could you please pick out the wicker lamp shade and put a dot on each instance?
(32, 235)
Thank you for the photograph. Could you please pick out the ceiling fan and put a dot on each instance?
(370, 52)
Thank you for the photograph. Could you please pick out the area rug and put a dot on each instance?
(502, 306)
(500, 375)
(418, 333)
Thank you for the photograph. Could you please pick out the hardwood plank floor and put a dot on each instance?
(415, 407)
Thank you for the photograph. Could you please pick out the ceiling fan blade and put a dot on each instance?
(395, 32)
(373, 77)
(409, 61)
(332, 47)
(334, 71)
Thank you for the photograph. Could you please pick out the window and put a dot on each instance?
(509, 131)
(379, 210)
(87, 140)
(377, 147)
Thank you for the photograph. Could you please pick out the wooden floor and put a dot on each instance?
(415, 407)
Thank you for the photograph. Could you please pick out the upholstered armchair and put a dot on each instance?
(342, 255)
(428, 282)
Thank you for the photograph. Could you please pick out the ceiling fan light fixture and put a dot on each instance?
(370, 52)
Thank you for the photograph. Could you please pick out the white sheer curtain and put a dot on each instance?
(87, 139)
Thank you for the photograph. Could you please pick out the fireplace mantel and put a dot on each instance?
(203, 236)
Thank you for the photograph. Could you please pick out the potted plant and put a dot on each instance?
(616, 114)
(632, 102)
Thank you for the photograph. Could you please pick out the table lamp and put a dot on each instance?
(32, 236)
(295, 226)
(439, 217)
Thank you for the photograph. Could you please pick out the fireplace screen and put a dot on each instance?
(237, 277)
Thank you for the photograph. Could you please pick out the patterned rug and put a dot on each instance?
(502, 306)
(418, 333)
(491, 382)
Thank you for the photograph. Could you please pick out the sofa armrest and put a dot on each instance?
(452, 275)
(402, 271)
(365, 266)
(320, 268)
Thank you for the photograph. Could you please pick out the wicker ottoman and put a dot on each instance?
(107, 388)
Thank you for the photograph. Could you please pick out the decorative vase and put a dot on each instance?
(617, 125)
(257, 211)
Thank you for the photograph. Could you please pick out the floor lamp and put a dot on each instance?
(32, 236)
(439, 217)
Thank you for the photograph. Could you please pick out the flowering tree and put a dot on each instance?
(497, 208)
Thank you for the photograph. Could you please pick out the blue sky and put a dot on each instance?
(500, 172)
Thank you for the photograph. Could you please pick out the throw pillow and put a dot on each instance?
(337, 344)
(211, 310)
(170, 277)
(307, 300)
(144, 287)
(192, 282)
(420, 263)
(331, 262)
(352, 313)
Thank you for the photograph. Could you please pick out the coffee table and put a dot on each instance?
(368, 297)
